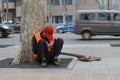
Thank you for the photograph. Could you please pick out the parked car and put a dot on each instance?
(4, 30)
(11, 26)
(17, 27)
(65, 28)
(89, 23)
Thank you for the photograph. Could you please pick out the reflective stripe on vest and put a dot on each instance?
(37, 37)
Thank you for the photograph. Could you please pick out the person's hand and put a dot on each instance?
(50, 45)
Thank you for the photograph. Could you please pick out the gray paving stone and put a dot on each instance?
(114, 68)
(36, 76)
(14, 76)
(81, 67)
(78, 76)
(99, 77)
(57, 76)
(98, 68)
(112, 59)
(116, 77)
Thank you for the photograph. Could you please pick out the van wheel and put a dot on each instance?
(86, 35)
(60, 31)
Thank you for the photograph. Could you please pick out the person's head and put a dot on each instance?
(48, 31)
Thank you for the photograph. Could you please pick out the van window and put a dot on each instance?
(103, 16)
(87, 16)
(117, 17)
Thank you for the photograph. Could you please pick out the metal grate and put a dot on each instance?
(5, 63)
(115, 45)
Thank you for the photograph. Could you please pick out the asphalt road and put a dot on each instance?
(12, 39)
(69, 38)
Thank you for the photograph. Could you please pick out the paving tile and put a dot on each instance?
(81, 67)
(57, 76)
(77, 76)
(98, 68)
(2, 79)
(114, 68)
(113, 59)
(99, 77)
(4, 76)
(15, 76)
(116, 76)
(36, 76)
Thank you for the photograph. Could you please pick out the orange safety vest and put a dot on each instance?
(38, 37)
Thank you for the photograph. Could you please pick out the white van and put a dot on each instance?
(89, 23)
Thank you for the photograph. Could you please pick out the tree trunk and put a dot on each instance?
(99, 5)
(33, 19)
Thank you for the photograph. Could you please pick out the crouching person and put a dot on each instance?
(46, 47)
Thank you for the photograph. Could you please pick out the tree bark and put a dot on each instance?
(99, 5)
(33, 19)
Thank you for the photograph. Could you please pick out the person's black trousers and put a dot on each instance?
(42, 50)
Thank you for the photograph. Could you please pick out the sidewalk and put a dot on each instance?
(107, 69)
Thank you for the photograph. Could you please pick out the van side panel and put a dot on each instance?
(116, 24)
(96, 27)
(116, 28)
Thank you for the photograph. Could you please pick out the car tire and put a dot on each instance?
(86, 35)
(1, 34)
(60, 31)
(4, 36)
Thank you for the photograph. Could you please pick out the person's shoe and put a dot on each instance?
(56, 62)
(44, 63)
